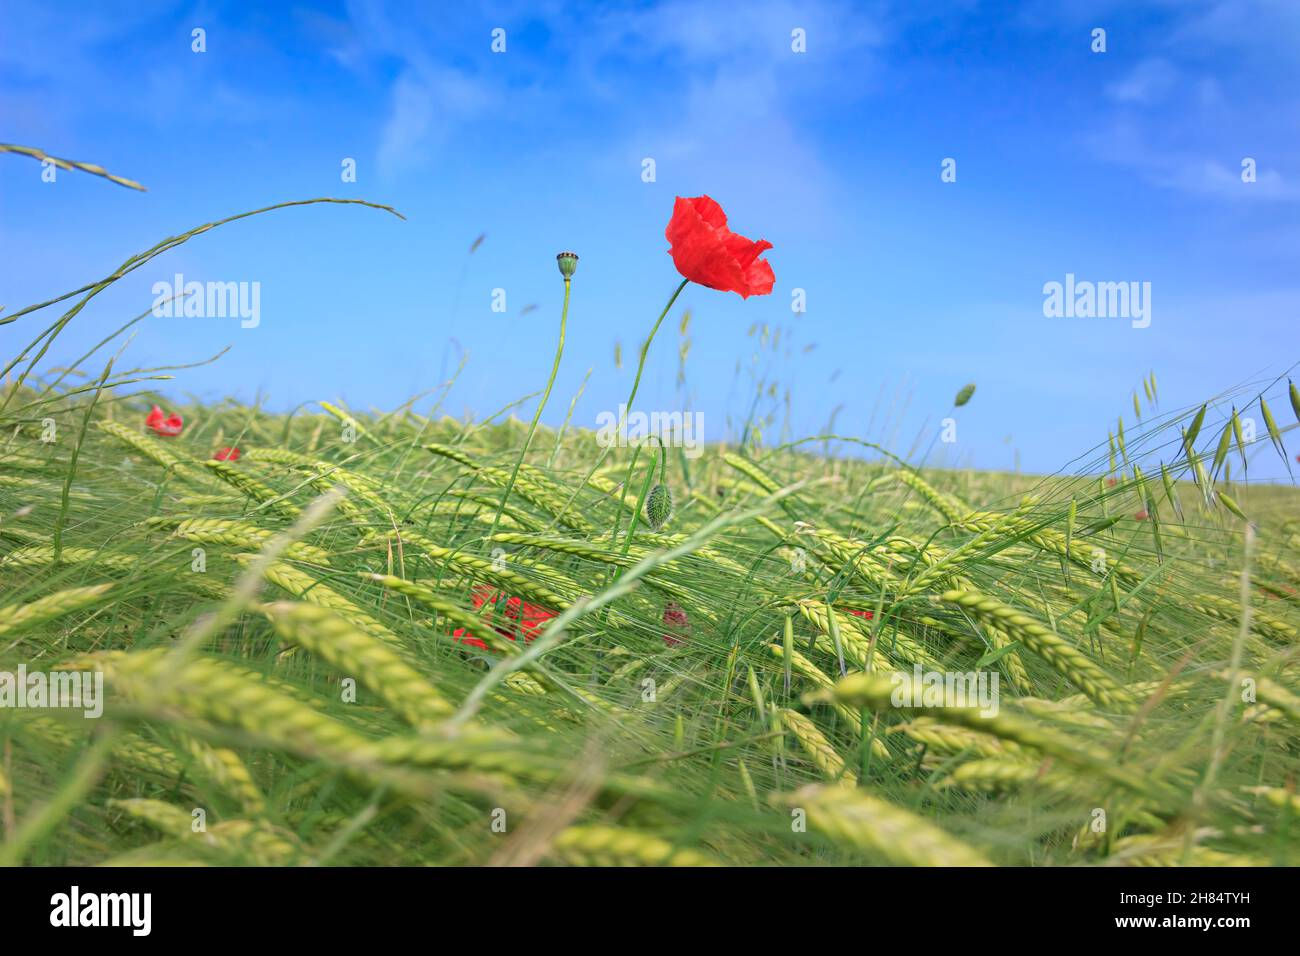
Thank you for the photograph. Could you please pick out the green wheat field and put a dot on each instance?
(347, 647)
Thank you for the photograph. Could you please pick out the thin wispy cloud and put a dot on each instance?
(692, 78)
(1148, 83)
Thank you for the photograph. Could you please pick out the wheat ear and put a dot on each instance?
(614, 846)
(353, 651)
(1068, 660)
(896, 836)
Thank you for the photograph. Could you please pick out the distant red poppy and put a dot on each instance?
(705, 251)
(1110, 482)
(675, 618)
(226, 454)
(1142, 515)
(867, 614)
(169, 426)
(530, 618)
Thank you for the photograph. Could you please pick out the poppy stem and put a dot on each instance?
(532, 429)
(645, 348)
(627, 406)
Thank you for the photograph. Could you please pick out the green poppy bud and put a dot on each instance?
(658, 506)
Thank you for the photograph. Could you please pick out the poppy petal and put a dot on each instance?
(709, 211)
(706, 252)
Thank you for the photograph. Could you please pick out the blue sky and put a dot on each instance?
(1115, 166)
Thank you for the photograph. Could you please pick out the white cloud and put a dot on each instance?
(425, 106)
(1187, 169)
(1208, 177)
(1207, 96)
(1149, 82)
(726, 80)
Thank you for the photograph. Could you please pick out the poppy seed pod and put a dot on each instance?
(568, 262)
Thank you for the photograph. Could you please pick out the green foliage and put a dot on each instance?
(366, 728)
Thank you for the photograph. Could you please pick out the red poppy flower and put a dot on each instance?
(170, 426)
(1142, 515)
(1110, 482)
(531, 619)
(867, 614)
(226, 454)
(675, 618)
(705, 251)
